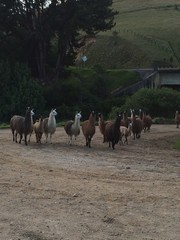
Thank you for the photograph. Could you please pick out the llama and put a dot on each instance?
(89, 128)
(177, 119)
(72, 128)
(22, 125)
(32, 114)
(38, 129)
(49, 125)
(112, 132)
(102, 124)
(147, 122)
(137, 125)
(125, 133)
(125, 121)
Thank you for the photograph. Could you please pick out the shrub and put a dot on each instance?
(158, 103)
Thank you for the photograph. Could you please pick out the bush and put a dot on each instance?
(158, 103)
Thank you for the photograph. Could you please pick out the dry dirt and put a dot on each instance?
(56, 191)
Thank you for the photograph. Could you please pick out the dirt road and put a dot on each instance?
(55, 191)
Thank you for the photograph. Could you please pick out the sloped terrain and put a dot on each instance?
(142, 36)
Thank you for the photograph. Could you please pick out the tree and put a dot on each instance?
(29, 26)
(18, 90)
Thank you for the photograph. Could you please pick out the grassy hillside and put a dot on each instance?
(147, 33)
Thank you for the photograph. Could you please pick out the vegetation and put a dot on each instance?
(87, 89)
(158, 103)
(142, 36)
(40, 41)
(81, 90)
(18, 90)
(46, 34)
(177, 144)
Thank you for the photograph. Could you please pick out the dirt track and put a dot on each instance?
(56, 191)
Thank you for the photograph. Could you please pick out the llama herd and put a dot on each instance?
(24, 126)
(113, 132)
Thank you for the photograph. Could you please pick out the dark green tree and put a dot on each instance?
(18, 90)
(28, 28)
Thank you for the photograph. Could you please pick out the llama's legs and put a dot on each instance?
(21, 136)
(50, 138)
(36, 137)
(113, 144)
(29, 137)
(46, 136)
(16, 136)
(70, 140)
(87, 142)
(25, 139)
(13, 134)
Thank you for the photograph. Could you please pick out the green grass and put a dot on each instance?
(177, 145)
(163, 120)
(147, 31)
(4, 125)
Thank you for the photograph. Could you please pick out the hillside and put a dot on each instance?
(146, 34)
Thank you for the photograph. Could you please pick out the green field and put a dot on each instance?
(146, 33)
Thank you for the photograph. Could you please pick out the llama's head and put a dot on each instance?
(93, 114)
(78, 115)
(53, 112)
(28, 111)
(100, 117)
(32, 112)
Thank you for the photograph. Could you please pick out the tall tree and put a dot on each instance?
(29, 26)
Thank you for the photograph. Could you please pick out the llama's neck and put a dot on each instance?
(28, 118)
(100, 120)
(131, 115)
(27, 123)
(118, 122)
(91, 120)
(140, 114)
(31, 120)
(124, 117)
(51, 121)
(76, 122)
(101, 123)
